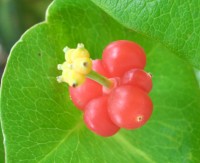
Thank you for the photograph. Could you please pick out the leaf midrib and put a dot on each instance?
(126, 144)
(69, 132)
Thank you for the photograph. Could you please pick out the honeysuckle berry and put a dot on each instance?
(89, 90)
(68, 53)
(77, 65)
(71, 77)
(72, 54)
(64, 67)
(139, 78)
(74, 79)
(121, 56)
(82, 95)
(82, 65)
(97, 119)
(129, 107)
(112, 92)
(80, 52)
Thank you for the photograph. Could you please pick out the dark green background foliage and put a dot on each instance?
(41, 124)
(16, 16)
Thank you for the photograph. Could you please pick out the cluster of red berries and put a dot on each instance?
(126, 104)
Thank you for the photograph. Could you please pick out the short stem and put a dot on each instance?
(100, 79)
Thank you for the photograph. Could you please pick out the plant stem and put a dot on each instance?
(100, 79)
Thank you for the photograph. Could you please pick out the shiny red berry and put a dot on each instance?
(97, 119)
(81, 95)
(121, 56)
(129, 107)
(139, 78)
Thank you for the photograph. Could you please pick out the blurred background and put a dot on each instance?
(16, 16)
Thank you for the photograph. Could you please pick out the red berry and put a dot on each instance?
(129, 107)
(81, 95)
(139, 78)
(121, 56)
(97, 119)
(98, 67)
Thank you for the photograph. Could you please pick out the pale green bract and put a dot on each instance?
(41, 124)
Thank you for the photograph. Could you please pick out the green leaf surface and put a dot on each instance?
(176, 24)
(41, 124)
(1, 140)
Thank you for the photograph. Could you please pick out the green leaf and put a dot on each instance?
(41, 124)
(1, 140)
(176, 24)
